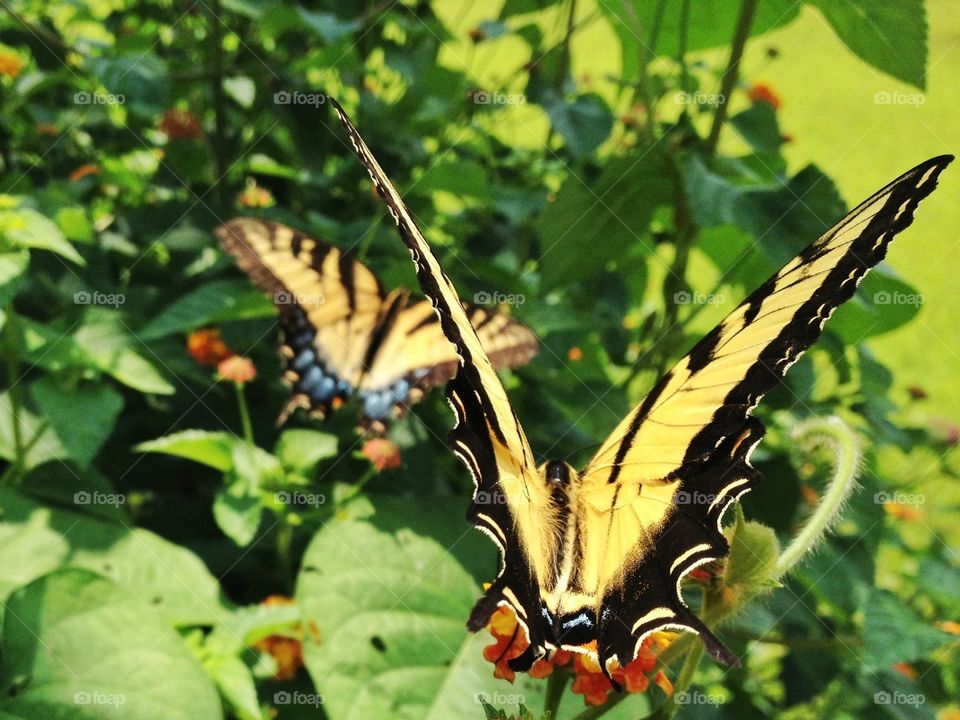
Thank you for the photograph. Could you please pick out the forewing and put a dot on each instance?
(511, 503)
(329, 305)
(657, 488)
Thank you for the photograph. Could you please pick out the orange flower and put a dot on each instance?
(254, 196)
(900, 511)
(287, 650)
(207, 348)
(810, 495)
(84, 170)
(47, 129)
(181, 125)
(575, 354)
(905, 669)
(10, 63)
(511, 641)
(237, 369)
(383, 453)
(759, 92)
(949, 626)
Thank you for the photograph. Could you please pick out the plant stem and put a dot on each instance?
(564, 65)
(833, 433)
(728, 83)
(244, 414)
(12, 352)
(219, 112)
(682, 43)
(682, 683)
(285, 551)
(556, 684)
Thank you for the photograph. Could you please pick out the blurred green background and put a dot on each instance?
(167, 551)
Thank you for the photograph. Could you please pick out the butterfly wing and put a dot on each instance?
(414, 354)
(653, 496)
(329, 305)
(510, 503)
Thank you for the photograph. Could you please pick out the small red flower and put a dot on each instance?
(84, 170)
(237, 369)
(207, 348)
(254, 196)
(760, 92)
(286, 650)
(383, 453)
(574, 354)
(181, 125)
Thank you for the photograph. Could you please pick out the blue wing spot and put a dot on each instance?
(305, 359)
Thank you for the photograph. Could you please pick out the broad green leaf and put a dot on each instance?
(301, 450)
(584, 123)
(162, 574)
(389, 604)
(13, 266)
(75, 224)
(35, 432)
(462, 177)
(211, 303)
(235, 683)
(237, 511)
(327, 25)
(139, 81)
(29, 229)
(613, 212)
(892, 633)
(77, 645)
(203, 446)
(82, 417)
(891, 36)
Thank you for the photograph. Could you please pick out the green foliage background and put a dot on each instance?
(142, 524)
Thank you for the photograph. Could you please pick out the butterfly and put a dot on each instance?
(343, 334)
(597, 555)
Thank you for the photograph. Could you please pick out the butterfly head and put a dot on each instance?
(558, 473)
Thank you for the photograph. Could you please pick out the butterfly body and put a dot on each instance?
(598, 555)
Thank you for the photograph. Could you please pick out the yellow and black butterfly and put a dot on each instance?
(343, 334)
(598, 555)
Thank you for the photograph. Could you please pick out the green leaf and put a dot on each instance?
(170, 578)
(75, 224)
(711, 24)
(892, 633)
(758, 126)
(616, 208)
(13, 267)
(584, 123)
(461, 177)
(113, 350)
(46, 445)
(753, 553)
(82, 417)
(891, 36)
(27, 228)
(301, 450)
(213, 449)
(139, 81)
(327, 25)
(398, 599)
(235, 682)
(212, 303)
(237, 511)
(78, 645)
(241, 89)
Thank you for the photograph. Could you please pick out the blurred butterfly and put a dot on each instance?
(344, 335)
(593, 559)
